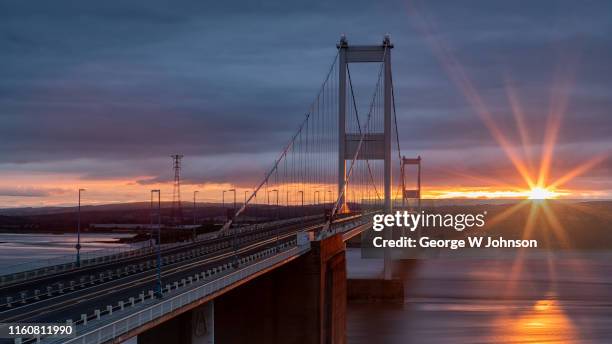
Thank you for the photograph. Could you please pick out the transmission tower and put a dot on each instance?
(177, 211)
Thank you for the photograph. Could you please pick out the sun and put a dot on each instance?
(541, 193)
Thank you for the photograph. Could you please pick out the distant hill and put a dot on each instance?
(27, 211)
(65, 218)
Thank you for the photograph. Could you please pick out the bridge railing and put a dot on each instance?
(267, 225)
(97, 332)
(44, 267)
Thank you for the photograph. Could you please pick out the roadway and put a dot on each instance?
(134, 277)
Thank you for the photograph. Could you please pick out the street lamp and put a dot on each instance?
(158, 285)
(194, 214)
(256, 205)
(234, 191)
(277, 206)
(223, 201)
(277, 214)
(78, 245)
(316, 198)
(275, 190)
(302, 194)
(151, 239)
(230, 190)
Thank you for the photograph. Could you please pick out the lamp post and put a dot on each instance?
(275, 190)
(277, 213)
(234, 191)
(230, 190)
(316, 198)
(302, 194)
(223, 202)
(277, 206)
(245, 196)
(158, 285)
(78, 245)
(267, 212)
(256, 205)
(151, 240)
(287, 204)
(194, 214)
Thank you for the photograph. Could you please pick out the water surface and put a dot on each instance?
(563, 298)
(22, 251)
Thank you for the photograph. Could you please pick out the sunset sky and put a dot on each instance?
(98, 95)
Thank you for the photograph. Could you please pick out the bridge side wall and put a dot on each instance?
(175, 330)
(301, 302)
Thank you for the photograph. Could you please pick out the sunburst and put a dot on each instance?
(541, 193)
(538, 184)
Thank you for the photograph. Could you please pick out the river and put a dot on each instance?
(21, 251)
(562, 298)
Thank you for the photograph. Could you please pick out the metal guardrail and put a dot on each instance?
(40, 268)
(266, 225)
(68, 266)
(345, 226)
(97, 332)
(69, 258)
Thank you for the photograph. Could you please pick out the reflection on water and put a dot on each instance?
(25, 248)
(475, 301)
(546, 321)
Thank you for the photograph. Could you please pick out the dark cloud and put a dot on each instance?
(108, 90)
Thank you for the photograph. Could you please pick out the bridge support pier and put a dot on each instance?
(193, 327)
(303, 301)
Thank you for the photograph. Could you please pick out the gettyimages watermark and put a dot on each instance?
(484, 230)
(413, 221)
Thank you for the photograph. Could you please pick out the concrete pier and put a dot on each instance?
(301, 302)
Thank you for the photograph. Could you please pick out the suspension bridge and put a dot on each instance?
(278, 280)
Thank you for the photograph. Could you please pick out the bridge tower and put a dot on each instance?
(377, 145)
(408, 194)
